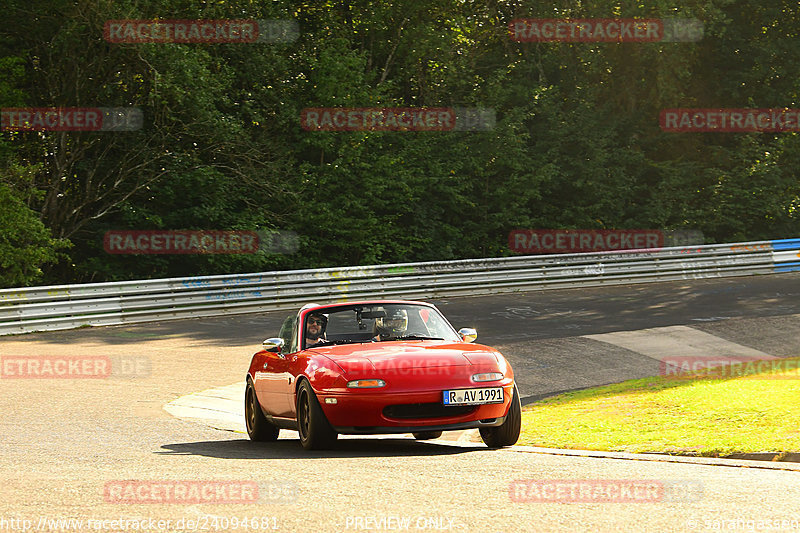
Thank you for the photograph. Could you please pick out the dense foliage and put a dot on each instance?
(577, 142)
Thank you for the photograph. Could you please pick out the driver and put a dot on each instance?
(315, 328)
(393, 325)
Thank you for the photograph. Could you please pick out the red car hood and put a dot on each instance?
(399, 355)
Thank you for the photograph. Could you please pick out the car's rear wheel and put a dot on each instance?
(315, 431)
(258, 427)
(507, 433)
(427, 435)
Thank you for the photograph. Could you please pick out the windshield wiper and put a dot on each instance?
(417, 338)
(332, 343)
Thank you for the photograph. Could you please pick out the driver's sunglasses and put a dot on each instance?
(316, 321)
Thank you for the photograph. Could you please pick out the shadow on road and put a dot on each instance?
(291, 449)
(240, 330)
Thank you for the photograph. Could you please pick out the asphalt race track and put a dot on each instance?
(104, 453)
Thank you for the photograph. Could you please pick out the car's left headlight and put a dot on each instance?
(487, 376)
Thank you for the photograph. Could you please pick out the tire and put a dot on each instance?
(507, 433)
(427, 435)
(258, 427)
(315, 431)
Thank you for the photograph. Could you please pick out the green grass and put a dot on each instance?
(708, 417)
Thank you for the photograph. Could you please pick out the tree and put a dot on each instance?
(25, 243)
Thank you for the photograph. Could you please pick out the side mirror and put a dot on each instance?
(274, 344)
(468, 334)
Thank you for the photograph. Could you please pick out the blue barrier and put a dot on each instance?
(786, 255)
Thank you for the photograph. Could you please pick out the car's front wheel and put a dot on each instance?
(258, 427)
(315, 431)
(507, 433)
(427, 435)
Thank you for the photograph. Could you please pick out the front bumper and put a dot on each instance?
(364, 412)
(372, 430)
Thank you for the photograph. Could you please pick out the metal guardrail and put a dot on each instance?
(98, 304)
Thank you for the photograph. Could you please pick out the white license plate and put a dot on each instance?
(473, 396)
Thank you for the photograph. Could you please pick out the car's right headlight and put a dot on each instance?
(366, 384)
(487, 376)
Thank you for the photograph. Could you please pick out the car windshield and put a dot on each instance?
(384, 322)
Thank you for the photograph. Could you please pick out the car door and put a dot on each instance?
(271, 380)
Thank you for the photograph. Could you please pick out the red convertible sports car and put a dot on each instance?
(378, 367)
